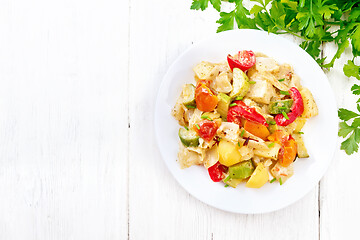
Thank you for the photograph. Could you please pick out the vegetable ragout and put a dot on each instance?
(242, 120)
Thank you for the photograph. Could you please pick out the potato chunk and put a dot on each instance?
(203, 70)
(259, 177)
(261, 91)
(310, 107)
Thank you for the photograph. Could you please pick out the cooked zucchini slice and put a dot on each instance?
(188, 137)
(241, 170)
(223, 105)
(241, 84)
(188, 95)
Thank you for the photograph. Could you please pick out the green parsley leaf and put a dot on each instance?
(242, 16)
(355, 89)
(226, 21)
(216, 4)
(256, 9)
(351, 144)
(278, 13)
(355, 38)
(346, 115)
(354, 14)
(351, 70)
(313, 48)
(199, 4)
(355, 123)
(327, 10)
(344, 129)
(341, 48)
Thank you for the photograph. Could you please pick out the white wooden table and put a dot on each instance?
(78, 159)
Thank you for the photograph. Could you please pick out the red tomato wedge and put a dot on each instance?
(217, 171)
(244, 60)
(207, 129)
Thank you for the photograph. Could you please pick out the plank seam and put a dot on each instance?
(128, 132)
(319, 184)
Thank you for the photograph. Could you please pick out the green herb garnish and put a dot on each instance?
(190, 106)
(285, 115)
(197, 126)
(300, 133)
(271, 122)
(186, 128)
(281, 80)
(227, 179)
(242, 133)
(284, 92)
(206, 117)
(239, 144)
(273, 180)
(239, 98)
(271, 145)
(233, 104)
(226, 185)
(252, 82)
(280, 181)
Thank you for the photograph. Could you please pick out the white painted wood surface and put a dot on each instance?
(78, 82)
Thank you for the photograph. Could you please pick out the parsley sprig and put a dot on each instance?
(311, 21)
(351, 144)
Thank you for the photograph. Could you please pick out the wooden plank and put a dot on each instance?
(339, 196)
(63, 121)
(159, 207)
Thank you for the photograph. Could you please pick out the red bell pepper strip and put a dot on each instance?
(241, 110)
(217, 171)
(244, 60)
(296, 110)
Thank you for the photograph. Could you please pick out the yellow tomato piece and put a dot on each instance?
(259, 177)
(228, 153)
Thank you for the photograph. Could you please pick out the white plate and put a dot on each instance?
(320, 132)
